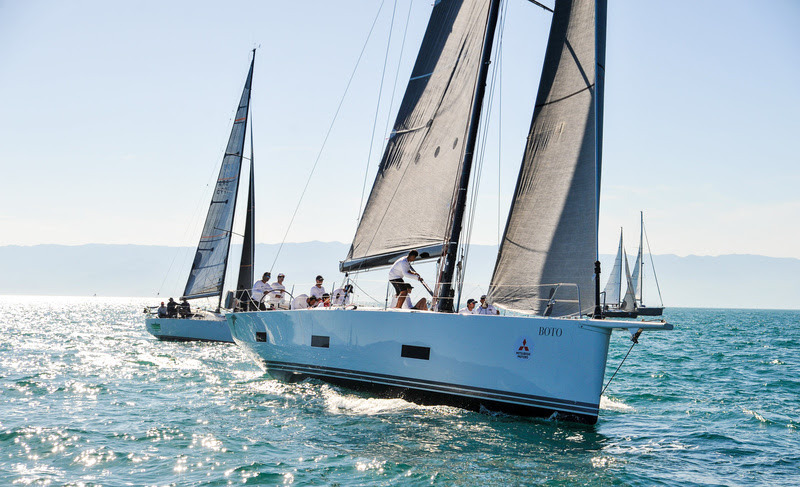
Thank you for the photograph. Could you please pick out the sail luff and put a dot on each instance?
(550, 241)
(206, 278)
(445, 286)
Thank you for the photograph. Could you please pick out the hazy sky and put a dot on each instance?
(114, 117)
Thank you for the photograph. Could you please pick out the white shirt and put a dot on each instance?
(488, 310)
(260, 288)
(300, 302)
(317, 291)
(401, 268)
(339, 299)
(466, 311)
(277, 291)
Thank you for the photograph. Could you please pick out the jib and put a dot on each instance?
(550, 332)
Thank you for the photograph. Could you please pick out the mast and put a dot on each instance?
(640, 260)
(450, 255)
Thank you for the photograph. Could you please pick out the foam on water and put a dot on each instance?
(88, 397)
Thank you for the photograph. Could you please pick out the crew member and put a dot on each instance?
(260, 288)
(343, 295)
(278, 290)
(485, 308)
(317, 290)
(172, 309)
(469, 309)
(400, 269)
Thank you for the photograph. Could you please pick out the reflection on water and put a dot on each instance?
(86, 395)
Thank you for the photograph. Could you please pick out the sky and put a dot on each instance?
(114, 117)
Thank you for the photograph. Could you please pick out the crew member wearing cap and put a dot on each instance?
(260, 288)
(400, 269)
(317, 290)
(278, 290)
(469, 309)
(485, 308)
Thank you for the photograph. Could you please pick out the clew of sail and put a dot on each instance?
(412, 197)
(210, 261)
(549, 247)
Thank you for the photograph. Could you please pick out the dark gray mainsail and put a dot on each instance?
(410, 206)
(549, 247)
(211, 259)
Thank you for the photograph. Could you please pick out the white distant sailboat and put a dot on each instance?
(638, 276)
(207, 276)
(544, 357)
(616, 303)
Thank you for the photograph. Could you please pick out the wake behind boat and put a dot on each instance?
(207, 276)
(545, 357)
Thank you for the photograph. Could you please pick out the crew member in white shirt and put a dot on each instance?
(485, 308)
(342, 296)
(400, 269)
(317, 290)
(304, 301)
(469, 309)
(278, 290)
(260, 288)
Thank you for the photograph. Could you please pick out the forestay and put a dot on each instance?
(208, 268)
(551, 233)
(412, 197)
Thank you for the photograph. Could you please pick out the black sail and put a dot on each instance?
(412, 197)
(549, 247)
(246, 276)
(210, 261)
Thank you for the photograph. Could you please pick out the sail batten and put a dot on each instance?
(411, 200)
(551, 232)
(207, 275)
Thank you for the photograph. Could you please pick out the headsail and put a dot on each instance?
(551, 234)
(210, 261)
(412, 197)
(615, 277)
(628, 302)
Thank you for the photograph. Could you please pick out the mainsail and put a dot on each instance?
(546, 258)
(410, 206)
(210, 261)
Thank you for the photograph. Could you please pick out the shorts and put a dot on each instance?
(400, 286)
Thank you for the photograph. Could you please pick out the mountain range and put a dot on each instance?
(726, 281)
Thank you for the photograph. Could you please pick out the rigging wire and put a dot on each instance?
(377, 109)
(620, 365)
(328, 133)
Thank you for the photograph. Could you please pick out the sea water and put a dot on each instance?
(87, 397)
